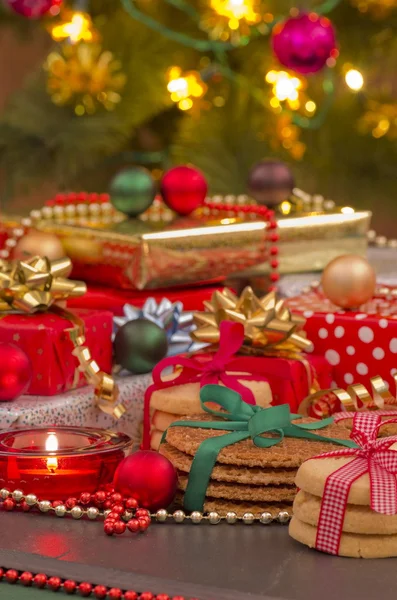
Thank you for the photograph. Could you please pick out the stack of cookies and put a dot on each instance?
(246, 478)
(365, 533)
(170, 404)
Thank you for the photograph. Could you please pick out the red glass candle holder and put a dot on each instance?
(60, 462)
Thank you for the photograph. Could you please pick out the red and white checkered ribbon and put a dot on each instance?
(340, 416)
(373, 456)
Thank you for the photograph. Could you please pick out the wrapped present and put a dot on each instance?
(78, 408)
(44, 338)
(220, 455)
(113, 299)
(256, 349)
(347, 503)
(358, 344)
(32, 295)
(150, 255)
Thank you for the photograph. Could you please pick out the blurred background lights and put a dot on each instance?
(354, 79)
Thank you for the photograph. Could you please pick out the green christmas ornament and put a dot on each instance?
(132, 191)
(139, 345)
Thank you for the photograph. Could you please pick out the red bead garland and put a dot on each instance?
(121, 513)
(85, 589)
(255, 211)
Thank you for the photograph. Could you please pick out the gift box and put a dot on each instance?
(106, 298)
(151, 254)
(358, 344)
(45, 338)
(256, 350)
(78, 408)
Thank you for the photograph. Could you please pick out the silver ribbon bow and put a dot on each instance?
(170, 316)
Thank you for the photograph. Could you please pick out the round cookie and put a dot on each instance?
(162, 420)
(289, 453)
(358, 519)
(313, 474)
(185, 399)
(247, 475)
(353, 545)
(155, 439)
(242, 492)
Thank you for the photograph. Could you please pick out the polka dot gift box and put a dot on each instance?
(358, 344)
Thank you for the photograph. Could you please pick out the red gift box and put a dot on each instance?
(101, 297)
(358, 344)
(45, 339)
(290, 380)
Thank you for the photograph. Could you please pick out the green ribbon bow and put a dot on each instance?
(245, 421)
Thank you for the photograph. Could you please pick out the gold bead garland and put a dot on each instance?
(161, 516)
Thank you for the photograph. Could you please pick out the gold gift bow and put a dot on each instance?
(269, 325)
(35, 285)
(356, 397)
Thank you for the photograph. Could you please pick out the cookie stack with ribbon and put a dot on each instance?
(242, 458)
(347, 503)
(255, 346)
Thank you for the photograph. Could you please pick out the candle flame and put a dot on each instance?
(51, 445)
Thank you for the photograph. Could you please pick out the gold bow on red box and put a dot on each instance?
(270, 328)
(37, 285)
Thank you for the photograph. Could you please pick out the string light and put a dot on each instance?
(76, 27)
(354, 79)
(285, 88)
(235, 11)
(232, 19)
(380, 120)
(185, 88)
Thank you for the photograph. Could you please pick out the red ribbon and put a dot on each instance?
(373, 456)
(208, 368)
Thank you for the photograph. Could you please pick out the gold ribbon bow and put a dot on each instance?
(354, 399)
(269, 326)
(36, 285)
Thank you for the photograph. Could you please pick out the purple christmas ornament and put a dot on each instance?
(304, 43)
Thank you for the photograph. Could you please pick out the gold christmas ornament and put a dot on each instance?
(85, 76)
(349, 281)
(38, 242)
(269, 326)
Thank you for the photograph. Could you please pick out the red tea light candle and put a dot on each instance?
(60, 462)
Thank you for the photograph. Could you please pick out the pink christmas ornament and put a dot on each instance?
(304, 43)
(33, 9)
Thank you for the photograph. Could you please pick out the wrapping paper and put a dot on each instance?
(78, 408)
(106, 298)
(135, 255)
(44, 338)
(357, 344)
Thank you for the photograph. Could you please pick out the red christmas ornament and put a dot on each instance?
(148, 477)
(184, 189)
(34, 9)
(15, 372)
(304, 43)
